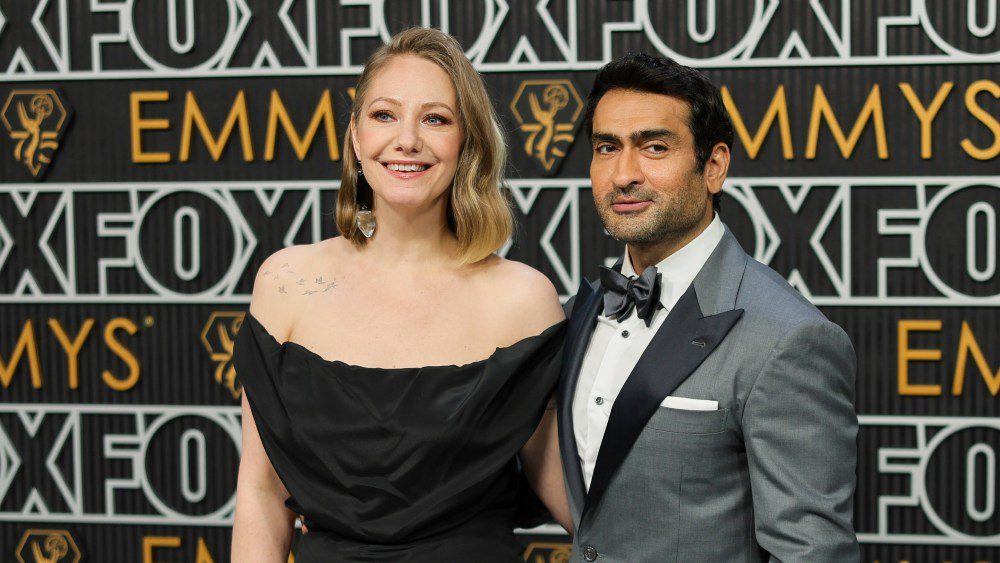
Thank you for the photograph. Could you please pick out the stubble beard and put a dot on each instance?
(663, 221)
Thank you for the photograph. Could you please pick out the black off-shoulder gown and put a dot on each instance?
(409, 464)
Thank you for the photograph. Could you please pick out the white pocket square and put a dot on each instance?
(684, 403)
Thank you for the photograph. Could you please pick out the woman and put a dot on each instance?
(392, 375)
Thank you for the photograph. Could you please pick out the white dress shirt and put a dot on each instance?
(615, 347)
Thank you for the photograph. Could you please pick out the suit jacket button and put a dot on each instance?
(589, 553)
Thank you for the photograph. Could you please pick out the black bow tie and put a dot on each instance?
(622, 293)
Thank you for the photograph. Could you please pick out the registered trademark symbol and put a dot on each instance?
(148, 321)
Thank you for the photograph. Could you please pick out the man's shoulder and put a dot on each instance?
(765, 291)
(774, 309)
(778, 317)
(586, 289)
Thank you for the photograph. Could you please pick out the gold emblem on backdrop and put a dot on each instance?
(544, 552)
(218, 337)
(35, 121)
(548, 113)
(47, 546)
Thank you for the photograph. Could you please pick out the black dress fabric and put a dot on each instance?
(407, 464)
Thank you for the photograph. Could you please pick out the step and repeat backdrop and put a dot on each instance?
(154, 152)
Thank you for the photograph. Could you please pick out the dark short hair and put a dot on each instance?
(708, 119)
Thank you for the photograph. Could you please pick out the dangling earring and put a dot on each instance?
(366, 221)
(363, 218)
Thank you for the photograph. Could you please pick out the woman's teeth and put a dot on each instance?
(407, 167)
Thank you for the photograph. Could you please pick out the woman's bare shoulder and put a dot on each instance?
(285, 279)
(523, 296)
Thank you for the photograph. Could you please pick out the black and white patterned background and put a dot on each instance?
(154, 152)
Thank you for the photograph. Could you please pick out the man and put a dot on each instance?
(706, 408)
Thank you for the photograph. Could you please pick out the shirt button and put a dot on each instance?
(589, 553)
(625, 334)
(599, 400)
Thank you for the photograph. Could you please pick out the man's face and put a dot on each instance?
(646, 182)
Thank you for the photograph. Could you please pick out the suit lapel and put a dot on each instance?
(696, 325)
(581, 326)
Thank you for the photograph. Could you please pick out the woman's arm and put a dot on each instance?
(263, 526)
(531, 308)
(543, 467)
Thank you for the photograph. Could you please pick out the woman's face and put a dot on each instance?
(408, 135)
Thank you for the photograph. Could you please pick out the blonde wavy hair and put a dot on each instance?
(479, 212)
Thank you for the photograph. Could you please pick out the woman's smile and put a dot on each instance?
(406, 170)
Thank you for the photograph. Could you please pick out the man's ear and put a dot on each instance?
(716, 168)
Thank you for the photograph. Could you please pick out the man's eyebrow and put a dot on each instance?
(599, 137)
(647, 134)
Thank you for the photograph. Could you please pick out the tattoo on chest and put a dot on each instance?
(304, 287)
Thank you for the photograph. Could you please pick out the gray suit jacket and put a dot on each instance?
(770, 475)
